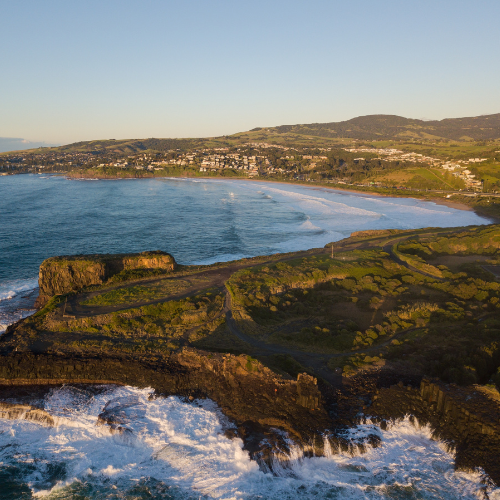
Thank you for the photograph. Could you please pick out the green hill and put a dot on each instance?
(390, 127)
(369, 128)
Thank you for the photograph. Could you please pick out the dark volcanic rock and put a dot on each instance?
(245, 390)
(465, 417)
(122, 411)
(119, 412)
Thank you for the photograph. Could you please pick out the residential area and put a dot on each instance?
(352, 166)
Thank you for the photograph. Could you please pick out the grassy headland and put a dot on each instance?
(355, 316)
(425, 302)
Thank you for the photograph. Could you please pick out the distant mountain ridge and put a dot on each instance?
(386, 127)
(368, 128)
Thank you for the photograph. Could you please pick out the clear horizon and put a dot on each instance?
(134, 69)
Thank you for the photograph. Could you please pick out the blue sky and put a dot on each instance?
(80, 70)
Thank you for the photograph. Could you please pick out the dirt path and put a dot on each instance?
(213, 278)
(318, 362)
(217, 278)
(389, 248)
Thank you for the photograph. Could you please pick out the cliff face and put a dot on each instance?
(248, 392)
(259, 401)
(465, 417)
(60, 275)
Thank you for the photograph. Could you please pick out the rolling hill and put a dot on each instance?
(368, 128)
(390, 127)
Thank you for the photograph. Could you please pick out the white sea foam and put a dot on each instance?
(9, 289)
(309, 226)
(181, 446)
(7, 319)
(16, 300)
(319, 204)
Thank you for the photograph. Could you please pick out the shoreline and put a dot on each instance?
(494, 219)
(257, 396)
(437, 201)
(434, 199)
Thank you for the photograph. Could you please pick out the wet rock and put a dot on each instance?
(465, 418)
(26, 412)
(121, 411)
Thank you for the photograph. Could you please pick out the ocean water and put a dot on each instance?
(178, 450)
(198, 221)
(174, 449)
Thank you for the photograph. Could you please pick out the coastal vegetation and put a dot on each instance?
(420, 301)
(149, 328)
(302, 342)
(439, 316)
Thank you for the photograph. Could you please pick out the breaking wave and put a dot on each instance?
(17, 298)
(10, 289)
(168, 448)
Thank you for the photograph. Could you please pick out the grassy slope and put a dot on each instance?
(383, 129)
(431, 307)
(365, 303)
(455, 139)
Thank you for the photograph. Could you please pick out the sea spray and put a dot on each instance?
(178, 450)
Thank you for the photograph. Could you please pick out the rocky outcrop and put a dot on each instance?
(59, 275)
(455, 412)
(26, 412)
(119, 412)
(249, 393)
(465, 417)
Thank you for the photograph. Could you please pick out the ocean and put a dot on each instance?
(178, 449)
(197, 221)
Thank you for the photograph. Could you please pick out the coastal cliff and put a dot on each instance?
(59, 275)
(467, 418)
(262, 403)
(288, 342)
(253, 396)
(25, 412)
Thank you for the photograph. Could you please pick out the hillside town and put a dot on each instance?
(347, 166)
(457, 168)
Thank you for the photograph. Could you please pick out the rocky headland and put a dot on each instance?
(253, 336)
(60, 275)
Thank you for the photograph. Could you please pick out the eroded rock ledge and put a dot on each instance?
(59, 275)
(248, 392)
(26, 412)
(467, 418)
